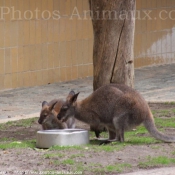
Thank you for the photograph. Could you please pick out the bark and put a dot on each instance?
(114, 25)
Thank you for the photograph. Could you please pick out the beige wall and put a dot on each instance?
(38, 51)
(155, 38)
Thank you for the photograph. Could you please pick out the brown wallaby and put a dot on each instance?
(115, 106)
(48, 116)
(97, 128)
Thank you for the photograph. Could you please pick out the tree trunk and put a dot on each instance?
(114, 25)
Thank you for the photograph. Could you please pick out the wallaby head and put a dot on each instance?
(46, 111)
(68, 108)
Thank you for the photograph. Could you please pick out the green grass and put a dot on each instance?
(7, 139)
(100, 169)
(173, 110)
(165, 122)
(114, 146)
(170, 103)
(19, 123)
(18, 144)
(164, 112)
(156, 161)
(62, 148)
(56, 162)
(173, 153)
(155, 147)
(138, 137)
(117, 168)
(154, 112)
(76, 155)
(57, 155)
(68, 162)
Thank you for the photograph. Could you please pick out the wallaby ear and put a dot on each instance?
(52, 106)
(70, 95)
(74, 98)
(44, 103)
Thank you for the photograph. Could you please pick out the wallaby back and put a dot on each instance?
(117, 107)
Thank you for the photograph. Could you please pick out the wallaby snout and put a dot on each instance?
(39, 121)
(59, 117)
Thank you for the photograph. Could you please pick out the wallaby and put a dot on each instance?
(95, 127)
(48, 116)
(117, 107)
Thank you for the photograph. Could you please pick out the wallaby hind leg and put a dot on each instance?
(112, 135)
(119, 124)
(121, 134)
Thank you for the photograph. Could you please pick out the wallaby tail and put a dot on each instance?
(150, 126)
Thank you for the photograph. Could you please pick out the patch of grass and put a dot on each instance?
(6, 139)
(173, 152)
(107, 148)
(139, 131)
(170, 103)
(25, 122)
(68, 162)
(173, 110)
(154, 112)
(115, 146)
(111, 147)
(80, 167)
(155, 147)
(19, 123)
(156, 161)
(61, 148)
(164, 112)
(99, 171)
(117, 168)
(18, 144)
(76, 155)
(165, 122)
(58, 155)
(56, 162)
(141, 140)
(138, 137)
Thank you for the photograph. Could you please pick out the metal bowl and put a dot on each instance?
(61, 137)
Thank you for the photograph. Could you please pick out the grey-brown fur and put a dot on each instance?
(117, 107)
(97, 129)
(48, 116)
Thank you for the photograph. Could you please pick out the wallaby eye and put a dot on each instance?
(64, 108)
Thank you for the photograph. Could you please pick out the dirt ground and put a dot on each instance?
(88, 159)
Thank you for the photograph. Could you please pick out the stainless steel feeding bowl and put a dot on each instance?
(61, 137)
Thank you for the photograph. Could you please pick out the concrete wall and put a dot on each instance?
(38, 45)
(155, 35)
(37, 48)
